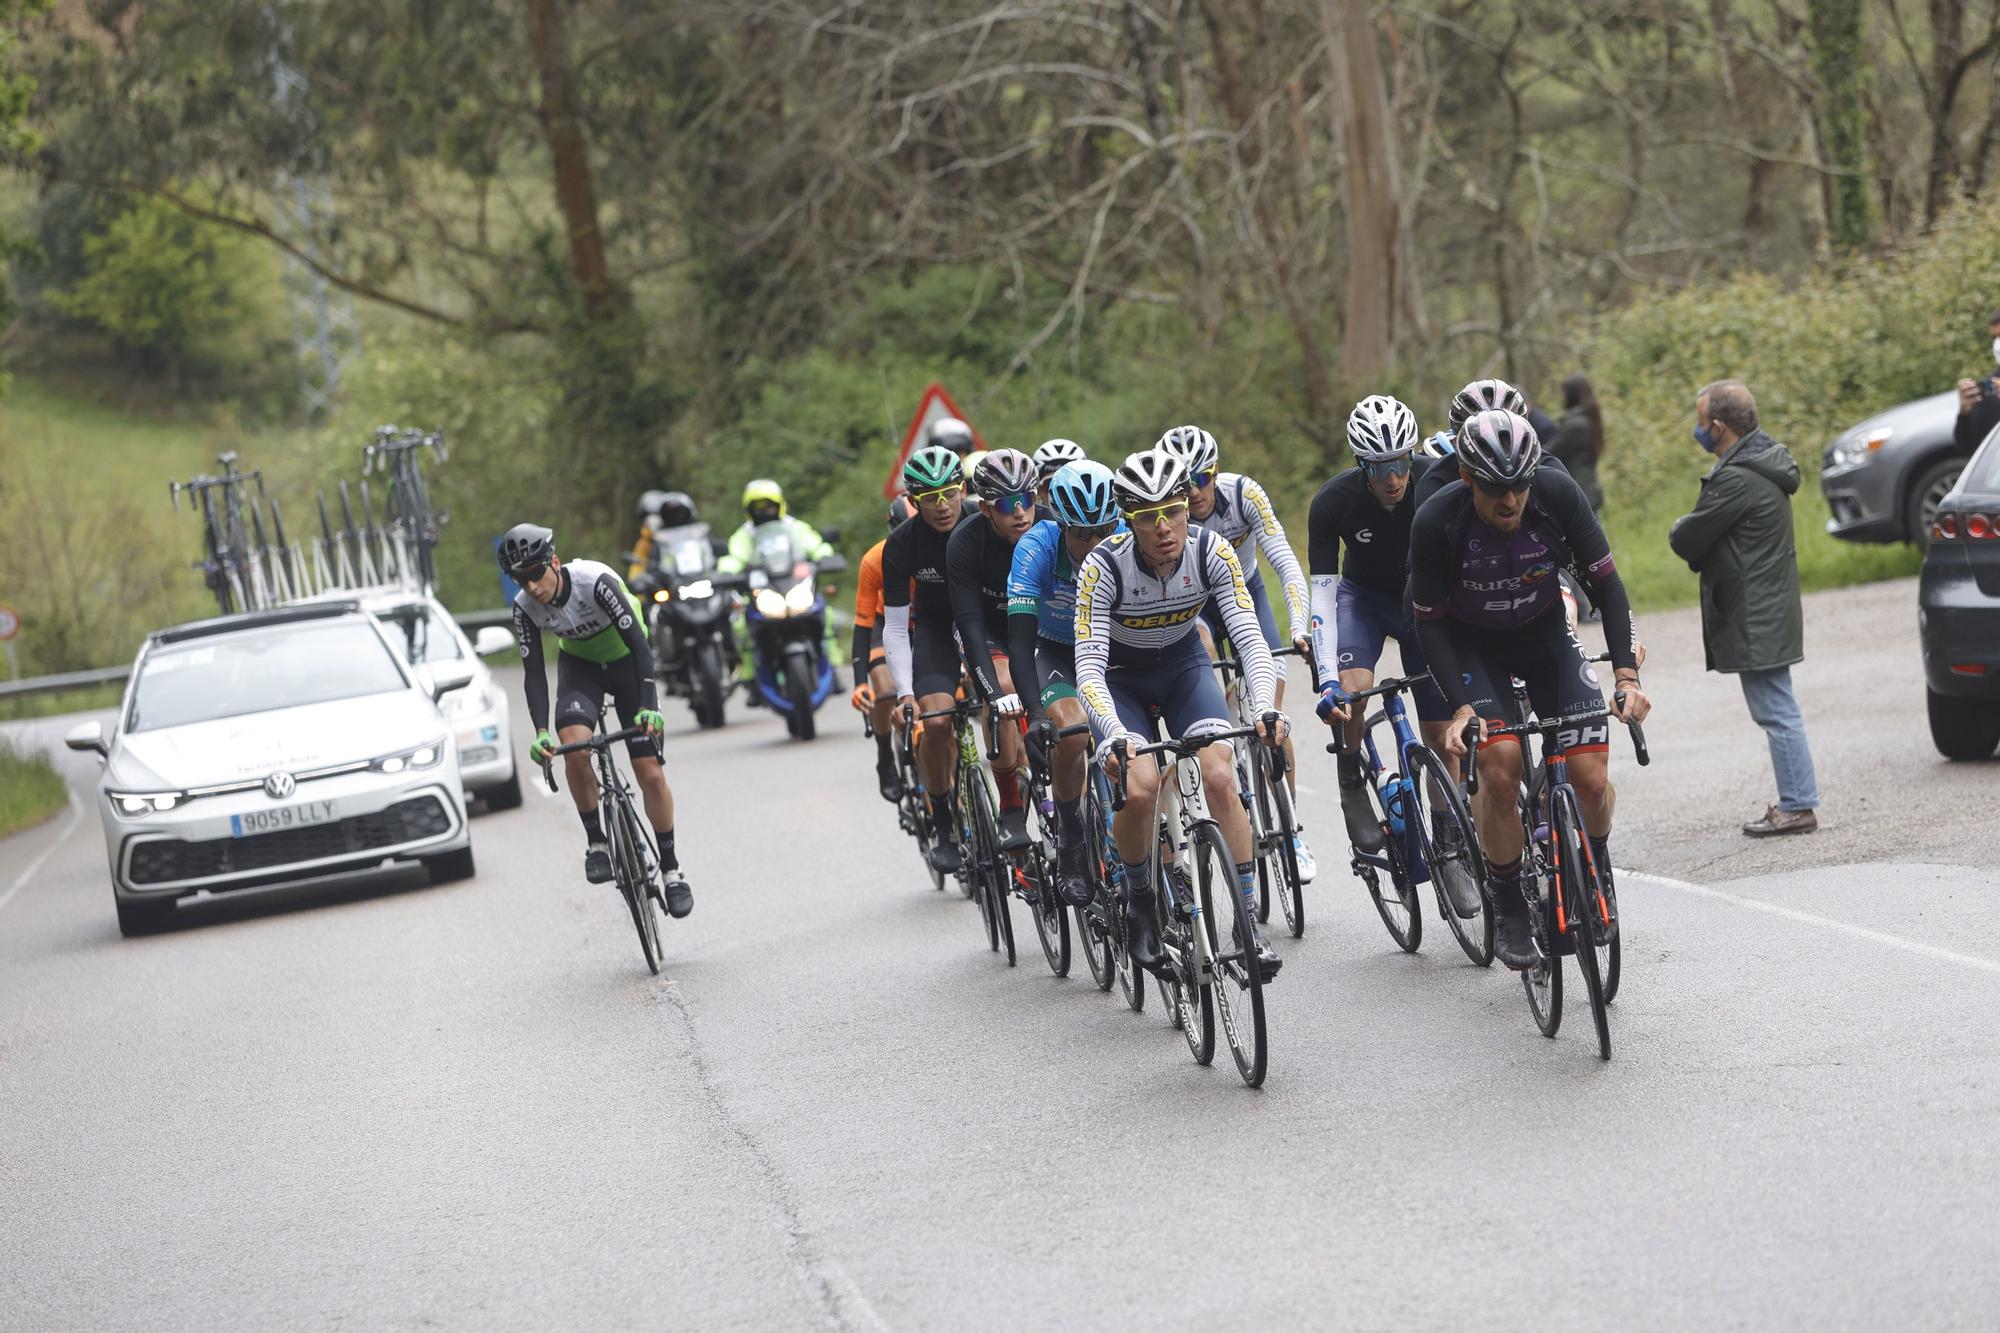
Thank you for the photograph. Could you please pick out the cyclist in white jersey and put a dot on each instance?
(1137, 653)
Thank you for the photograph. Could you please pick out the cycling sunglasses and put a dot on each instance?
(1394, 467)
(1097, 532)
(529, 575)
(1157, 514)
(1018, 503)
(1204, 478)
(944, 495)
(1498, 489)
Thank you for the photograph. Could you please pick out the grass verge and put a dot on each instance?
(30, 789)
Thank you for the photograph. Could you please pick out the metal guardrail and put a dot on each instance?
(472, 622)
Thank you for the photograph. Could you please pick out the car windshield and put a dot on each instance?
(279, 666)
(420, 633)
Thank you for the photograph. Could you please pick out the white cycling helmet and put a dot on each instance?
(1054, 455)
(1380, 430)
(1150, 477)
(1195, 446)
(953, 434)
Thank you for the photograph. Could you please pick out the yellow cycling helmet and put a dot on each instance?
(763, 488)
(972, 462)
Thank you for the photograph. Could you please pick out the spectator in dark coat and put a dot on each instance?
(1579, 438)
(1979, 400)
(1739, 539)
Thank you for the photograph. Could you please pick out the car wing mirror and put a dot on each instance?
(88, 737)
(448, 676)
(492, 640)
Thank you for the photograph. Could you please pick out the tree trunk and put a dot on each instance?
(1947, 36)
(1374, 192)
(569, 153)
(1840, 62)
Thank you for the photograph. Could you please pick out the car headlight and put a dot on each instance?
(801, 597)
(467, 703)
(770, 605)
(1855, 448)
(424, 756)
(148, 802)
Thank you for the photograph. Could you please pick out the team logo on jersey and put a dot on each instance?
(1363, 537)
(1536, 573)
(1264, 513)
(1086, 589)
(1236, 574)
(1160, 619)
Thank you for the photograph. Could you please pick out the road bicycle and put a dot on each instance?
(1427, 831)
(1571, 906)
(635, 860)
(1200, 978)
(414, 525)
(1267, 796)
(984, 872)
(231, 565)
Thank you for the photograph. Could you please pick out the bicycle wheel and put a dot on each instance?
(1578, 905)
(1190, 947)
(1544, 981)
(989, 869)
(1292, 890)
(1251, 782)
(1398, 907)
(633, 871)
(1239, 981)
(1450, 845)
(1051, 917)
(1093, 927)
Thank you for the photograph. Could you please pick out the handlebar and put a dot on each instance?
(1181, 747)
(1547, 727)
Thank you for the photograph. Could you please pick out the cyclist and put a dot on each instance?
(1237, 509)
(1052, 457)
(874, 689)
(601, 650)
(1138, 596)
(1484, 552)
(659, 512)
(1041, 629)
(953, 434)
(1368, 508)
(923, 652)
(978, 559)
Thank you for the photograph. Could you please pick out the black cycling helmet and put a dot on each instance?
(676, 510)
(900, 508)
(1500, 448)
(1004, 472)
(527, 548)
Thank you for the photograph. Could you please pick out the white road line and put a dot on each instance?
(1844, 927)
(75, 818)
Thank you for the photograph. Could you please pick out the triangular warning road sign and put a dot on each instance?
(937, 405)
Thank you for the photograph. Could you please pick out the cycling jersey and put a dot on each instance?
(915, 578)
(867, 612)
(1131, 621)
(1242, 513)
(1345, 512)
(1463, 571)
(1041, 615)
(978, 560)
(595, 618)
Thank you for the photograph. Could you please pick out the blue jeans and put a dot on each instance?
(1775, 708)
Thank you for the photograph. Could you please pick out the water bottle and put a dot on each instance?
(1395, 795)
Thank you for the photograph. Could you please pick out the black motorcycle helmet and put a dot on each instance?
(649, 504)
(676, 510)
(526, 551)
(899, 509)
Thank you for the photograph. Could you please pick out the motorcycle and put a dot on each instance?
(688, 618)
(785, 615)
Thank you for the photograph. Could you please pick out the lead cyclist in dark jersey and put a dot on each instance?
(1484, 554)
(601, 650)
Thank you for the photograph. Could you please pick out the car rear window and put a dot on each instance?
(420, 633)
(1982, 474)
(280, 666)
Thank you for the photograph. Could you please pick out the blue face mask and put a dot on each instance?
(1706, 439)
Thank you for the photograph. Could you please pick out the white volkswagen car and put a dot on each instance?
(426, 635)
(278, 745)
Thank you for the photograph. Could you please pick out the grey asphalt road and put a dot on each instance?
(380, 1105)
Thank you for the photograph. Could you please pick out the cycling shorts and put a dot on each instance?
(935, 667)
(1546, 654)
(582, 687)
(1211, 614)
(1055, 670)
(1179, 685)
(1364, 620)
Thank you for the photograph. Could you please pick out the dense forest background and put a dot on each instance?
(609, 244)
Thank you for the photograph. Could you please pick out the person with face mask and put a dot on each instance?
(1979, 399)
(1739, 539)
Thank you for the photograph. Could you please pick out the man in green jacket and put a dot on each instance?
(1739, 539)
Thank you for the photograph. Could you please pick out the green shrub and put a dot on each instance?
(30, 788)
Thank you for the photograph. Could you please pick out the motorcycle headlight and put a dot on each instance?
(699, 588)
(424, 756)
(801, 597)
(770, 605)
(148, 802)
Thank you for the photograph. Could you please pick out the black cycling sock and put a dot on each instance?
(885, 758)
(1504, 882)
(1070, 812)
(592, 829)
(1600, 852)
(1348, 766)
(669, 860)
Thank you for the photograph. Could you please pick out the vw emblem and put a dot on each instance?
(280, 785)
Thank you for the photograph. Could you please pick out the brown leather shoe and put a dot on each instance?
(1776, 821)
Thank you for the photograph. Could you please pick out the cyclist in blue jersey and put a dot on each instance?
(1484, 552)
(1138, 652)
(1041, 629)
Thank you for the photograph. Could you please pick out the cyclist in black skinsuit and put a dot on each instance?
(1484, 553)
(923, 651)
(978, 560)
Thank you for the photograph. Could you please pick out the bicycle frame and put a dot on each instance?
(1396, 713)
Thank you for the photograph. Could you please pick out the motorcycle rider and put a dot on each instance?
(659, 512)
(764, 502)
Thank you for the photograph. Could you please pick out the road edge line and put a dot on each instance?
(75, 818)
(1809, 918)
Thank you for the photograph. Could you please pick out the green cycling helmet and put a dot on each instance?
(932, 468)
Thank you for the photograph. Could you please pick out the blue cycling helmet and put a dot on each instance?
(1081, 496)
